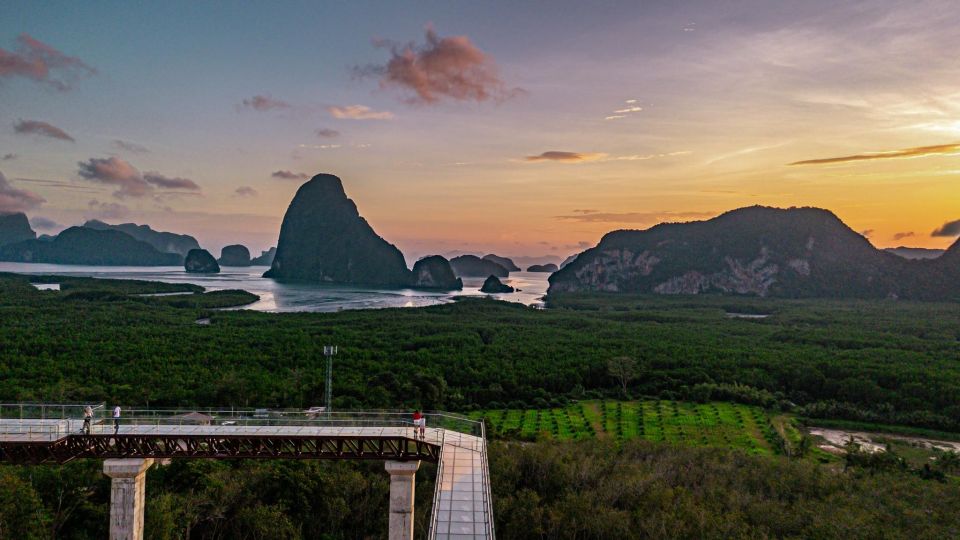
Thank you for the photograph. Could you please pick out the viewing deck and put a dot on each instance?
(462, 507)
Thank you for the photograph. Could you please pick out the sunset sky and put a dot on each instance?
(521, 128)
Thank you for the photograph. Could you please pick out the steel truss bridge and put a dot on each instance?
(462, 506)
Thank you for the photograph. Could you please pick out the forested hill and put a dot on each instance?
(760, 251)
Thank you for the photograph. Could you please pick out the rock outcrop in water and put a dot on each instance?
(200, 261)
(546, 268)
(164, 242)
(492, 285)
(502, 261)
(434, 272)
(265, 258)
(473, 266)
(15, 228)
(324, 239)
(234, 255)
(82, 245)
(796, 252)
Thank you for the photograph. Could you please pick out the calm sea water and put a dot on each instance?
(279, 297)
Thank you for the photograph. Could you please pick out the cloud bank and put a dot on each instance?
(566, 157)
(17, 200)
(442, 68)
(39, 62)
(43, 129)
(950, 228)
(127, 179)
(919, 151)
(289, 175)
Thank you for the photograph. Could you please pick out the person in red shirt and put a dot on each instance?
(419, 422)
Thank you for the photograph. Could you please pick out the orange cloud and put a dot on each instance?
(566, 157)
(920, 151)
(450, 67)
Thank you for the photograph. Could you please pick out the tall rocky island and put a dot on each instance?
(323, 238)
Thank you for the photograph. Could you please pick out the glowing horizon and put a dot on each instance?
(482, 128)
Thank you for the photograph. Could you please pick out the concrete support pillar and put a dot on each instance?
(402, 479)
(129, 479)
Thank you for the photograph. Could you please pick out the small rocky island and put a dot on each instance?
(323, 238)
(235, 255)
(547, 268)
(493, 285)
(434, 272)
(200, 261)
(473, 266)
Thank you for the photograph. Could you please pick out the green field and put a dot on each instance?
(717, 424)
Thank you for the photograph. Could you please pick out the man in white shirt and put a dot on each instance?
(116, 419)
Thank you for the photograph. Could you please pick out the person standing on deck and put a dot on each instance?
(116, 419)
(419, 422)
(87, 418)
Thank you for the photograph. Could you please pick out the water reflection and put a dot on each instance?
(282, 297)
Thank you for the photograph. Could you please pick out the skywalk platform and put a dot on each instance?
(462, 505)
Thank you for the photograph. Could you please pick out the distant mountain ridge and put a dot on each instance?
(915, 252)
(761, 251)
(86, 246)
(165, 242)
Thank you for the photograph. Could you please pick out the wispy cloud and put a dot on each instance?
(127, 179)
(263, 103)
(358, 112)
(130, 147)
(919, 151)
(43, 129)
(623, 112)
(245, 191)
(565, 157)
(902, 235)
(8, 157)
(166, 182)
(289, 175)
(443, 67)
(327, 133)
(591, 216)
(950, 228)
(645, 157)
(17, 200)
(867, 232)
(42, 63)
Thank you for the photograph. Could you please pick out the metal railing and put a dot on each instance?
(55, 420)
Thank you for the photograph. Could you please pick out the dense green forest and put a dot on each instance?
(877, 361)
(558, 490)
(528, 371)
